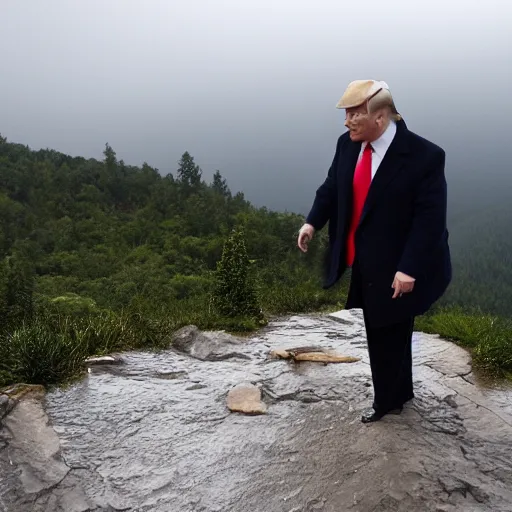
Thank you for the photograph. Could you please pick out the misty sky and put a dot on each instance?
(249, 86)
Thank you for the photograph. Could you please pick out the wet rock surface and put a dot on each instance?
(129, 438)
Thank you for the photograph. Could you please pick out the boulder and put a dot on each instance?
(34, 448)
(6, 405)
(208, 346)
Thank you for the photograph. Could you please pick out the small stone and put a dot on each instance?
(246, 398)
(196, 386)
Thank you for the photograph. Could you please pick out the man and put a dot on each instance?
(385, 200)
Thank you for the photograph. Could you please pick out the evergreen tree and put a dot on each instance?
(234, 293)
(110, 158)
(189, 174)
(219, 184)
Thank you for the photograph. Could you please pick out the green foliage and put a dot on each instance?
(304, 297)
(52, 349)
(71, 304)
(234, 293)
(37, 354)
(219, 184)
(16, 289)
(481, 245)
(97, 256)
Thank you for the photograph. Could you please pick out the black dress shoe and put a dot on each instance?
(372, 415)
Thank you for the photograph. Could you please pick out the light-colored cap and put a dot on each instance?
(360, 91)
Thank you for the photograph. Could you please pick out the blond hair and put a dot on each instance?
(383, 99)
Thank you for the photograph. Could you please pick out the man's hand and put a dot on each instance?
(402, 284)
(305, 236)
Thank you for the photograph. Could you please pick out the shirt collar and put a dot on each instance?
(381, 145)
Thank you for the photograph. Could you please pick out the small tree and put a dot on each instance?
(234, 293)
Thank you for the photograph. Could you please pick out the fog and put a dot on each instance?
(249, 87)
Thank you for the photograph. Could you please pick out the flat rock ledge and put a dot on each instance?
(154, 434)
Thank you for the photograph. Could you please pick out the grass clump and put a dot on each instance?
(488, 337)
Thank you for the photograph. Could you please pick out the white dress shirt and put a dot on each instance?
(380, 146)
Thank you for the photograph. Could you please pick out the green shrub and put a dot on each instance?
(69, 304)
(189, 286)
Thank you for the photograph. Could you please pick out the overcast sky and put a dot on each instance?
(250, 86)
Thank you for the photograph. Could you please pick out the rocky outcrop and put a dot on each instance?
(35, 475)
(11, 395)
(6, 405)
(156, 434)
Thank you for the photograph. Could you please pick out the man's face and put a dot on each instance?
(362, 126)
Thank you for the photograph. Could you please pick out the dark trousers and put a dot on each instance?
(389, 348)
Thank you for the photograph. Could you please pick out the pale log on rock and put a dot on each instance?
(103, 360)
(313, 354)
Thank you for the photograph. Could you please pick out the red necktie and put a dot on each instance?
(361, 185)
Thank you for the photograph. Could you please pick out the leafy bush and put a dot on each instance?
(69, 304)
(185, 287)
